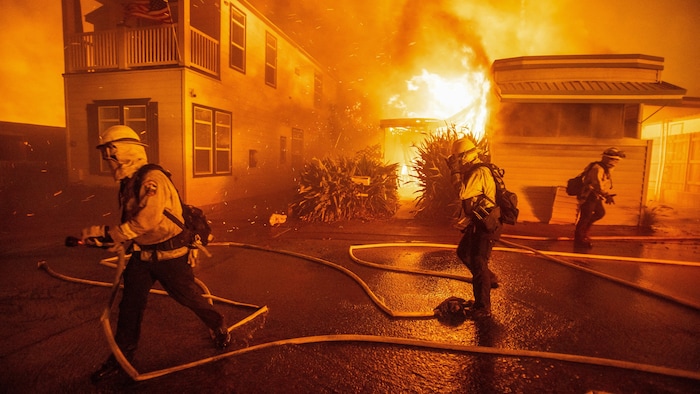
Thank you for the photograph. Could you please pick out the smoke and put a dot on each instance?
(430, 36)
(32, 66)
(375, 46)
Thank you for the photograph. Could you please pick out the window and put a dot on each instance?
(318, 89)
(139, 114)
(238, 31)
(252, 158)
(270, 60)
(212, 141)
(283, 150)
(297, 148)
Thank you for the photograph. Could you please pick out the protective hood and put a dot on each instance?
(129, 158)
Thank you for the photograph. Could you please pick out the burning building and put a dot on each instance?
(551, 116)
(674, 170)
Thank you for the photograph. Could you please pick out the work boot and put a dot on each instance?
(109, 369)
(481, 313)
(494, 281)
(222, 337)
(583, 243)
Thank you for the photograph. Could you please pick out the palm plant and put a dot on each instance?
(437, 200)
(328, 192)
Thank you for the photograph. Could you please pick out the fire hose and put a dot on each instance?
(517, 248)
(136, 376)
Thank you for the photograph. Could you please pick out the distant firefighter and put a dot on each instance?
(597, 187)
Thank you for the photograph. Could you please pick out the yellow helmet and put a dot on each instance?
(462, 145)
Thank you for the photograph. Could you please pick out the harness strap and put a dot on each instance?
(173, 243)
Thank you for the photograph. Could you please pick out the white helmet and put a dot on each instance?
(119, 133)
(614, 153)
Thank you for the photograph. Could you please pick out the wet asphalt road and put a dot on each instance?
(52, 340)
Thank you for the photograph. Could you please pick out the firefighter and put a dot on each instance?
(597, 187)
(476, 189)
(157, 250)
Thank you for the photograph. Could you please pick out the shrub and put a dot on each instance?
(437, 200)
(327, 192)
(651, 214)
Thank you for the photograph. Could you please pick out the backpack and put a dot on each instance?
(574, 186)
(505, 199)
(196, 226)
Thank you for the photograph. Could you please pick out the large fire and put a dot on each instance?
(461, 101)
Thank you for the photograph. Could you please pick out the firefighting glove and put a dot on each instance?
(192, 257)
(609, 199)
(121, 247)
(96, 236)
(119, 239)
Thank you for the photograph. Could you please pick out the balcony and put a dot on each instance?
(132, 48)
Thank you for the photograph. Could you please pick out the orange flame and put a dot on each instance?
(461, 101)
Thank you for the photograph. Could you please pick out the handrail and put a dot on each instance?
(151, 46)
(204, 51)
(125, 48)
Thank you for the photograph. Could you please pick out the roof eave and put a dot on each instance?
(592, 99)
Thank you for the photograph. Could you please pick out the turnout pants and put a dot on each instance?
(474, 250)
(177, 278)
(590, 211)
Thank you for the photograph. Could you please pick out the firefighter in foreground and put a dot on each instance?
(159, 248)
(476, 188)
(597, 187)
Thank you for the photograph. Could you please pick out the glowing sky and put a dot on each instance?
(384, 42)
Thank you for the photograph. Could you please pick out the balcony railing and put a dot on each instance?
(127, 48)
(204, 52)
(92, 51)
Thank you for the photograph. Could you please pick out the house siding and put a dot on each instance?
(537, 170)
(162, 86)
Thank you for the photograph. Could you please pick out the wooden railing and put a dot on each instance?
(204, 52)
(151, 46)
(92, 51)
(126, 48)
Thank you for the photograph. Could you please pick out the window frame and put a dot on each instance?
(146, 125)
(283, 149)
(220, 122)
(297, 148)
(270, 60)
(237, 47)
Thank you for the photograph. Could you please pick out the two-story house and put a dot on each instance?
(224, 99)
